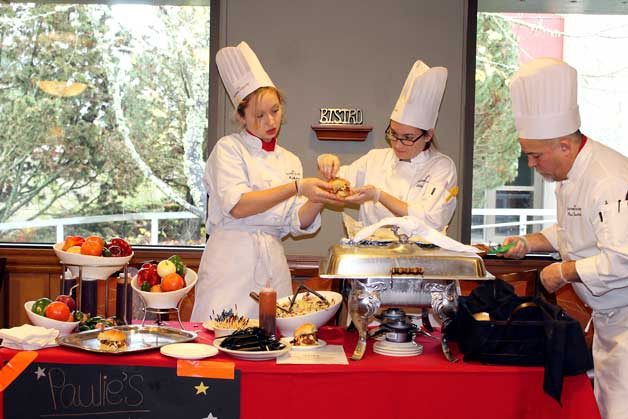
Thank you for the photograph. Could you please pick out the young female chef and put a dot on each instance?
(256, 195)
(411, 177)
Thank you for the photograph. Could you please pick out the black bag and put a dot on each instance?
(521, 331)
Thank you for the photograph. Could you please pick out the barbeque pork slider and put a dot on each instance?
(305, 335)
(112, 340)
(340, 187)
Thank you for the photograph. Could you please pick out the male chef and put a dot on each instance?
(591, 232)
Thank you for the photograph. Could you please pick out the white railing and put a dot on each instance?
(60, 223)
(549, 216)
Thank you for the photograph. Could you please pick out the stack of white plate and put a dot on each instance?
(384, 347)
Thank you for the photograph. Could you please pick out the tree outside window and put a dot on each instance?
(103, 112)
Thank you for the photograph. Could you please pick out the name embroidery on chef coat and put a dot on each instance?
(421, 183)
(293, 175)
(574, 211)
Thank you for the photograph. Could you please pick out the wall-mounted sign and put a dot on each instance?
(341, 116)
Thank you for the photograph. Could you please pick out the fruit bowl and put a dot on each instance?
(94, 267)
(64, 328)
(169, 299)
(287, 325)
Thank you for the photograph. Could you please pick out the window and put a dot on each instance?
(508, 197)
(104, 115)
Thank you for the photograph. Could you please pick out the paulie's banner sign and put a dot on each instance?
(46, 390)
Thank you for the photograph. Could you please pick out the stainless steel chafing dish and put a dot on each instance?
(401, 273)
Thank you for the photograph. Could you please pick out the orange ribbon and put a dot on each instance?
(15, 367)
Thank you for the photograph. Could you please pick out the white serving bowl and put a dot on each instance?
(220, 332)
(64, 328)
(93, 267)
(170, 299)
(287, 325)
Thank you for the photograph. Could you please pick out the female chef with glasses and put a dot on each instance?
(412, 177)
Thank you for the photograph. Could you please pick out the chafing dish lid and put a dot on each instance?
(360, 261)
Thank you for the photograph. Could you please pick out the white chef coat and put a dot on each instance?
(242, 254)
(592, 229)
(425, 183)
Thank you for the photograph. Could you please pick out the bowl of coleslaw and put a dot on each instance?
(308, 308)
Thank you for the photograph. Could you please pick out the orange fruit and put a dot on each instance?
(92, 248)
(96, 239)
(172, 282)
(71, 241)
(155, 288)
(57, 311)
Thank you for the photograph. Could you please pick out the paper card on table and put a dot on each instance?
(207, 369)
(330, 354)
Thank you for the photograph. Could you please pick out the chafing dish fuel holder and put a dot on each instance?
(405, 274)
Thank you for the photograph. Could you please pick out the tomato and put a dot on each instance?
(39, 306)
(57, 311)
(172, 282)
(68, 300)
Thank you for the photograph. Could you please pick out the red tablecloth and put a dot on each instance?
(378, 386)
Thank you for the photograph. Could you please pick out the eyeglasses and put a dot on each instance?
(404, 140)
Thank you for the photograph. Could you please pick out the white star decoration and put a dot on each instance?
(210, 416)
(201, 388)
(41, 372)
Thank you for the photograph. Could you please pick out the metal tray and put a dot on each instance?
(139, 338)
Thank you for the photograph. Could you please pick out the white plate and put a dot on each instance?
(397, 353)
(318, 345)
(397, 349)
(251, 355)
(189, 350)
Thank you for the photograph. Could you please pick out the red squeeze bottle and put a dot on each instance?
(267, 313)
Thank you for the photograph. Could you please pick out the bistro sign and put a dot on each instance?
(341, 116)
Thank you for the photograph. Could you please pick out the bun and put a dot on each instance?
(112, 340)
(305, 335)
(340, 187)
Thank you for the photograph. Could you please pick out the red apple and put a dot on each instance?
(68, 300)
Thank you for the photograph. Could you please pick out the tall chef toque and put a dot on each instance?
(420, 97)
(241, 72)
(544, 94)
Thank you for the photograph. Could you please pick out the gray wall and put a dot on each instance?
(349, 53)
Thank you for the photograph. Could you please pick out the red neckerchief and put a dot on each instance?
(267, 146)
(583, 142)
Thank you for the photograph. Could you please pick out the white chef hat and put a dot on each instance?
(544, 94)
(420, 97)
(241, 72)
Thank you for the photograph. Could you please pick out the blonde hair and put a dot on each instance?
(254, 98)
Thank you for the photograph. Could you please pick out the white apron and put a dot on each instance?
(610, 360)
(242, 254)
(233, 264)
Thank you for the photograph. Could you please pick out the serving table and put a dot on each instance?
(376, 387)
